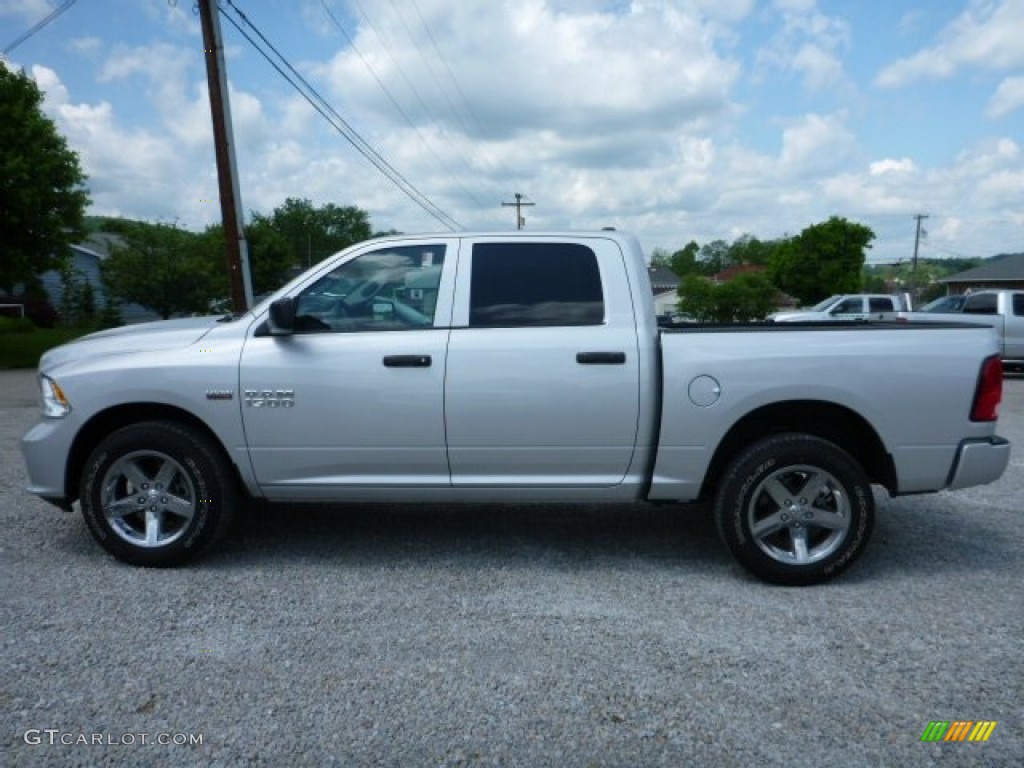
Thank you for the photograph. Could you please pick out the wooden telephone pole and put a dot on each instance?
(224, 149)
(917, 236)
(519, 204)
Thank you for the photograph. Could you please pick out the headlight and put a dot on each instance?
(55, 402)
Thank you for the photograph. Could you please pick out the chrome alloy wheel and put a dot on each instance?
(148, 498)
(799, 514)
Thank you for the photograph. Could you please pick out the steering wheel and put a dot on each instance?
(362, 294)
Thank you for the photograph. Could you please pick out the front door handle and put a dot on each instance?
(601, 358)
(407, 361)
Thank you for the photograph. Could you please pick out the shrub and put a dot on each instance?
(39, 310)
(16, 325)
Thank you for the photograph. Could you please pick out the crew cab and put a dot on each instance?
(509, 367)
(848, 306)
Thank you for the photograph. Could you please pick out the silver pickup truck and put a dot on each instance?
(509, 367)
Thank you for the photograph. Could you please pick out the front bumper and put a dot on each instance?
(46, 448)
(979, 462)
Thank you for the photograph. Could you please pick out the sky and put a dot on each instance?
(675, 120)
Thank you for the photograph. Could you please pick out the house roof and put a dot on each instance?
(1004, 268)
(729, 273)
(662, 278)
(87, 251)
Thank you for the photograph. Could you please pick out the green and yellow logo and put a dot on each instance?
(958, 730)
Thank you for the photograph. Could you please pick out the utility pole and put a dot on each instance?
(916, 241)
(914, 288)
(224, 149)
(519, 204)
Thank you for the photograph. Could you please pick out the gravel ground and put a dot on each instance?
(511, 635)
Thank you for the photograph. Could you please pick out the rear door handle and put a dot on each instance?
(407, 361)
(601, 358)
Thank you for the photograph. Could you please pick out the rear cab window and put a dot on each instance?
(523, 284)
(981, 304)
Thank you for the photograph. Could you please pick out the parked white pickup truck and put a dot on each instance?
(848, 306)
(1001, 309)
(509, 367)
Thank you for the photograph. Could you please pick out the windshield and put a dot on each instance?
(821, 306)
(945, 304)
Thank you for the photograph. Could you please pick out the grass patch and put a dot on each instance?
(20, 349)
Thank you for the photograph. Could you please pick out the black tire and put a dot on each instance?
(795, 509)
(157, 493)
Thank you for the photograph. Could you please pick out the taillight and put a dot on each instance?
(989, 391)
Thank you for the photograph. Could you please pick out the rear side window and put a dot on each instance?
(1018, 304)
(981, 304)
(534, 284)
(880, 304)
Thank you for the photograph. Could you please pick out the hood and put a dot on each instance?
(782, 317)
(144, 337)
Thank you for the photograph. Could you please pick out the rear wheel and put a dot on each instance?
(795, 509)
(157, 493)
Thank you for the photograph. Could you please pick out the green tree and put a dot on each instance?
(42, 198)
(164, 268)
(685, 262)
(78, 299)
(660, 257)
(746, 298)
(823, 259)
(714, 257)
(747, 249)
(313, 234)
(270, 258)
(697, 298)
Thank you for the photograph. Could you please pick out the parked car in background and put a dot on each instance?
(850, 306)
(951, 303)
(1001, 309)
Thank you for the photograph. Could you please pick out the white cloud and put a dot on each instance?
(810, 44)
(903, 165)
(87, 46)
(524, 65)
(985, 36)
(54, 92)
(816, 144)
(1009, 97)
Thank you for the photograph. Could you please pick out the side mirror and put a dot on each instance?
(281, 320)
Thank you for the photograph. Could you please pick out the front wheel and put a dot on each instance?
(795, 509)
(157, 493)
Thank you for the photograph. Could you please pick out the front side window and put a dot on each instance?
(849, 307)
(392, 289)
(534, 284)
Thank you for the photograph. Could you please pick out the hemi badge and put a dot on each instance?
(220, 394)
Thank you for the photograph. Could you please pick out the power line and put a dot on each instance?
(392, 98)
(37, 27)
(458, 88)
(323, 107)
